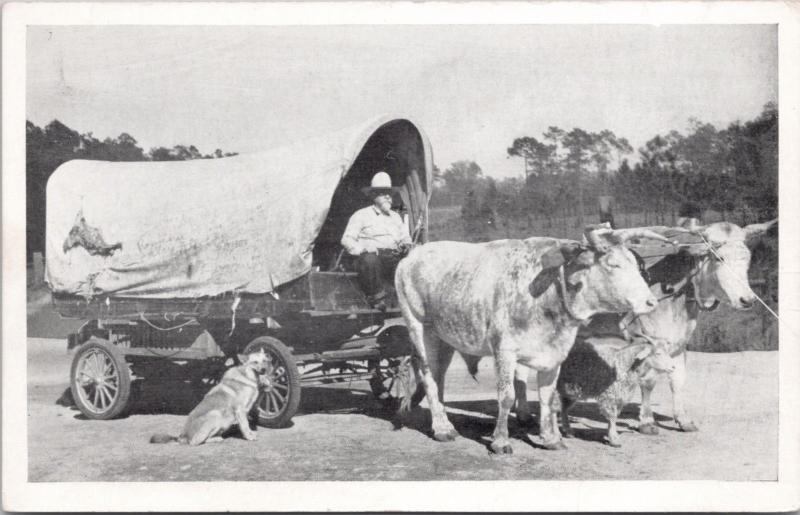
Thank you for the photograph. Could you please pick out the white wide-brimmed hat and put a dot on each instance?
(381, 183)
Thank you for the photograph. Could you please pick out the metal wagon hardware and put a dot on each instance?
(178, 267)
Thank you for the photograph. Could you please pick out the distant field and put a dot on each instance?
(723, 330)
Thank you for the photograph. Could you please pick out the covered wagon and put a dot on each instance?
(179, 266)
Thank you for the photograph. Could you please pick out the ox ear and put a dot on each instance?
(753, 232)
(585, 258)
(558, 256)
(553, 258)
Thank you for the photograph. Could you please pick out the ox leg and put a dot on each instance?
(647, 424)
(521, 375)
(443, 360)
(677, 380)
(504, 366)
(566, 428)
(548, 423)
(611, 413)
(432, 372)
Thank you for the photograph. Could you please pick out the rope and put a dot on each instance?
(157, 354)
(234, 307)
(146, 321)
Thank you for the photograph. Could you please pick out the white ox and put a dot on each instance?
(693, 280)
(520, 301)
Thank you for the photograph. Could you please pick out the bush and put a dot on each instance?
(727, 330)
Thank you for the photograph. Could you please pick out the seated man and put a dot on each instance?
(379, 238)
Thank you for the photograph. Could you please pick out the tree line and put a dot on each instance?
(733, 171)
(49, 147)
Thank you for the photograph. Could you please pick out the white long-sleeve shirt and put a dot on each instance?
(369, 229)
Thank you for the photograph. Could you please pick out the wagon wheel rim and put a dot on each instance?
(98, 381)
(274, 387)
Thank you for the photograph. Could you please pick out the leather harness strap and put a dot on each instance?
(564, 295)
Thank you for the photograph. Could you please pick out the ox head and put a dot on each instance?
(605, 274)
(723, 263)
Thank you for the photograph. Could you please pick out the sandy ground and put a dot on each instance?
(344, 434)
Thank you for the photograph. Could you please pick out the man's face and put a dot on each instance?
(383, 201)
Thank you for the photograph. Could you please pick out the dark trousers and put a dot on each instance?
(373, 270)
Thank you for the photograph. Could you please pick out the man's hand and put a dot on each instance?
(369, 248)
(404, 248)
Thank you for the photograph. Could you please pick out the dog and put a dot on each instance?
(226, 404)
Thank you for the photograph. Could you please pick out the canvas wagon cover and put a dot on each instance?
(196, 228)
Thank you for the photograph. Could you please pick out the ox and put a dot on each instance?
(693, 280)
(520, 301)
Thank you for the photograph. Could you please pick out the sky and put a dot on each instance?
(472, 88)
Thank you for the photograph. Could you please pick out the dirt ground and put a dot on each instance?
(342, 433)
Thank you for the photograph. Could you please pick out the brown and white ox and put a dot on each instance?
(520, 301)
(693, 280)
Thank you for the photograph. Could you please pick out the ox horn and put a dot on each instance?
(753, 231)
(592, 235)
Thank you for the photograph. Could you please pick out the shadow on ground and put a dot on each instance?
(474, 420)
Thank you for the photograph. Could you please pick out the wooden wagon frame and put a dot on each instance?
(316, 329)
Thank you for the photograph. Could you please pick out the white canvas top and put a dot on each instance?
(196, 228)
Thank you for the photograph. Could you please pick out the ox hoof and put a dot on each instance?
(558, 445)
(448, 436)
(648, 429)
(501, 449)
(614, 443)
(688, 427)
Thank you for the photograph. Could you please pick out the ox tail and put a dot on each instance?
(472, 364)
(164, 438)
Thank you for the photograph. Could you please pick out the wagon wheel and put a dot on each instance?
(100, 380)
(279, 386)
(385, 382)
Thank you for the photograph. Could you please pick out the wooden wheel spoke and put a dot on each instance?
(98, 364)
(110, 386)
(277, 401)
(89, 365)
(266, 403)
(105, 398)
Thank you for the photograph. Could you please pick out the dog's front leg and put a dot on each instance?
(244, 425)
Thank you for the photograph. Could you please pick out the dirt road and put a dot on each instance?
(343, 434)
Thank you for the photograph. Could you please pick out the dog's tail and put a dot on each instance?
(164, 438)
(411, 384)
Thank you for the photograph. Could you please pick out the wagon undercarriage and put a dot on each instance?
(330, 337)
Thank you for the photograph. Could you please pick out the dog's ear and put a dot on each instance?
(253, 357)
